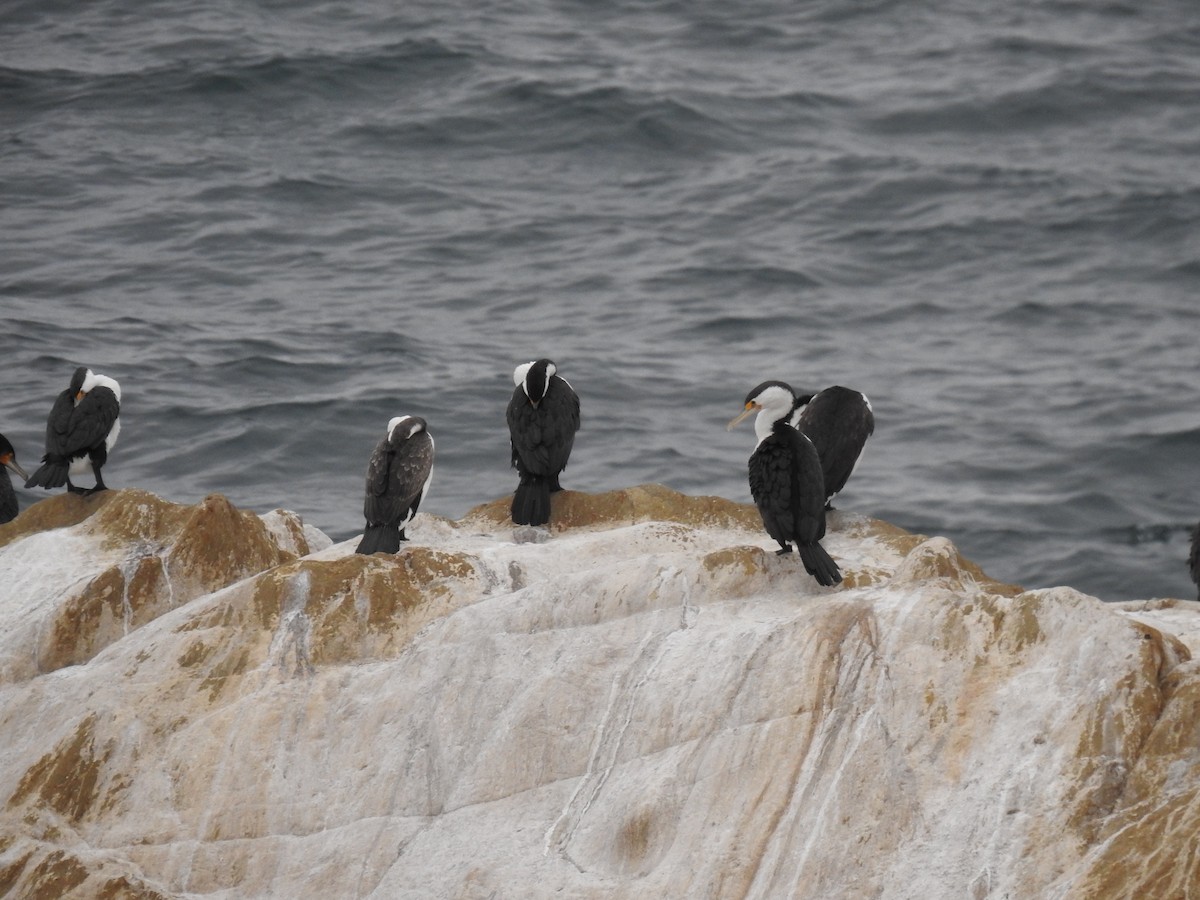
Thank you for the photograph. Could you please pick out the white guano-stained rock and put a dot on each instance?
(650, 703)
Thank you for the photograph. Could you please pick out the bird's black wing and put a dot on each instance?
(771, 486)
(8, 498)
(380, 507)
(562, 421)
(808, 488)
(396, 478)
(411, 470)
(524, 432)
(92, 420)
(58, 425)
(542, 437)
(838, 421)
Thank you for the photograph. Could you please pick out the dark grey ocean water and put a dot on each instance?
(280, 224)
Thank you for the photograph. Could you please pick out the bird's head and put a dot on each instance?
(534, 379)
(401, 428)
(8, 458)
(775, 398)
(80, 382)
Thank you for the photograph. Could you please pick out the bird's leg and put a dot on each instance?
(787, 548)
(100, 485)
(73, 489)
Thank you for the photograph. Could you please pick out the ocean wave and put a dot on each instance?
(1068, 100)
(735, 278)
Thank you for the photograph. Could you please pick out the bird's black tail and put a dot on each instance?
(531, 502)
(819, 564)
(51, 474)
(380, 539)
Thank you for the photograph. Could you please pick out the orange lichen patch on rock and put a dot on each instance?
(10, 872)
(218, 545)
(107, 608)
(211, 543)
(862, 576)
(369, 607)
(938, 559)
(1151, 854)
(68, 778)
(742, 561)
(1016, 621)
(45, 872)
(174, 554)
(55, 875)
(59, 511)
(643, 503)
(736, 571)
(1170, 756)
(1141, 745)
(136, 517)
(1158, 813)
(862, 527)
(335, 611)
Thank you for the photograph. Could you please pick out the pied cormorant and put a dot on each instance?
(543, 416)
(398, 476)
(838, 420)
(81, 430)
(786, 481)
(8, 497)
(1194, 558)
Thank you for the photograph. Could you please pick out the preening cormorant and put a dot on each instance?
(543, 416)
(81, 430)
(8, 497)
(398, 476)
(786, 480)
(838, 421)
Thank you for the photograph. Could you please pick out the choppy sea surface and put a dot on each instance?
(280, 224)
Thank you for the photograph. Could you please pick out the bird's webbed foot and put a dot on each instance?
(786, 549)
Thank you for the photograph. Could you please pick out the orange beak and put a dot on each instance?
(751, 407)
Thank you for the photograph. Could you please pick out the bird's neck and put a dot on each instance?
(765, 424)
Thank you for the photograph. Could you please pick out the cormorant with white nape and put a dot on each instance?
(1194, 558)
(8, 497)
(838, 420)
(786, 480)
(398, 476)
(80, 432)
(543, 416)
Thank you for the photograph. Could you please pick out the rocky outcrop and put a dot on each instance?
(650, 703)
(85, 572)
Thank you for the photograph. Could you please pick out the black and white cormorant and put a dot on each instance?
(83, 427)
(8, 497)
(1194, 558)
(543, 416)
(838, 420)
(398, 476)
(786, 481)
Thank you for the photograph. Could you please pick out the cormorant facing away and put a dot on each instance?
(543, 416)
(786, 481)
(8, 497)
(838, 420)
(1194, 558)
(398, 477)
(82, 429)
